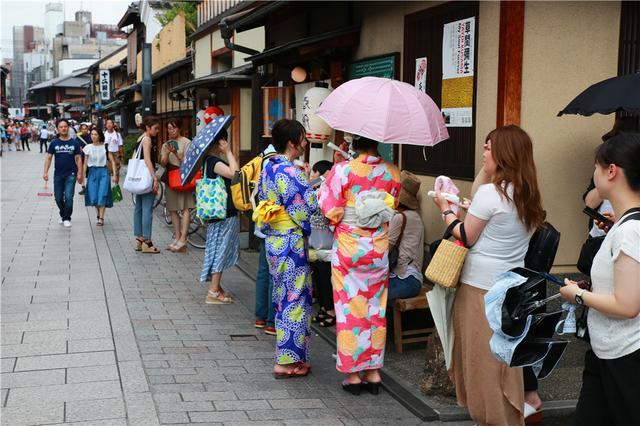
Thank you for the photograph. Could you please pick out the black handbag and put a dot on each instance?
(587, 253)
(394, 253)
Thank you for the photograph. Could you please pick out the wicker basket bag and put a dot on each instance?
(448, 259)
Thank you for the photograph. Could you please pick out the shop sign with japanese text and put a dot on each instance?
(105, 85)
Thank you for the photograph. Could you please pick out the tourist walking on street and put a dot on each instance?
(222, 249)
(505, 211)
(611, 377)
(286, 202)
(114, 142)
(16, 136)
(35, 133)
(98, 186)
(360, 266)
(67, 170)
(171, 156)
(143, 210)
(25, 134)
(3, 136)
(84, 139)
(44, 138)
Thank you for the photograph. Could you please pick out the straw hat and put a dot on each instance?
(409, 192)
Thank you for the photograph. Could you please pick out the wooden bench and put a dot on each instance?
(401, 337)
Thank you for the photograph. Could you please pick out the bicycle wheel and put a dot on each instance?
(195, 223)
(197, 239)
(159, 195)
(166, 215)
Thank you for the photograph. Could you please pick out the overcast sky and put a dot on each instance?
(31, 12)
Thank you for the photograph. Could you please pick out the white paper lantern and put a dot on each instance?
(317, 129)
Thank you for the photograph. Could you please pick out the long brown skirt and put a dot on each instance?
(492, 391)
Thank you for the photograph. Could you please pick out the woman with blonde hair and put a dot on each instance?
(505, 211)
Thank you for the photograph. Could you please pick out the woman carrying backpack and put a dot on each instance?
(611, 376)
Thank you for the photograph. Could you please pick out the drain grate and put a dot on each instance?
(243, 337)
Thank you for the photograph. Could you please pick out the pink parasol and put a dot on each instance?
(384, 110)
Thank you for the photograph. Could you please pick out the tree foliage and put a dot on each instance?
(190, 13)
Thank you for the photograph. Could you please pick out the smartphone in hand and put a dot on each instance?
(593, 214)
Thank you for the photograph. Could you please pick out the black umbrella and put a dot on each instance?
(525, 336)
(612, 95)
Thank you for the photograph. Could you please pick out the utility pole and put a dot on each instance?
(152, 27)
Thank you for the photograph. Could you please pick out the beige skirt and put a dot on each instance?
(492, 391)
(178, 200)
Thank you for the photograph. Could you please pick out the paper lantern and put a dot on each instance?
(298, 74)
(317, 129)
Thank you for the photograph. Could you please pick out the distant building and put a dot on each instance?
(53, 18)
(81, 43)
(26, 40)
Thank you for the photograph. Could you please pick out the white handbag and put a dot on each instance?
(138, 179)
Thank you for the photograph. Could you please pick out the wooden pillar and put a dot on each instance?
(510, 62)
(235, 124)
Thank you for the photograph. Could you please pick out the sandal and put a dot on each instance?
(322, 314)
(172, 244)
(300, 370)
(179, 247)
(329, 321)
(137, 245)
(218, 298)
(100, 221)
(148, 247)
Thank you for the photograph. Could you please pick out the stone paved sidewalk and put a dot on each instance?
(94, 332)
(69, 353)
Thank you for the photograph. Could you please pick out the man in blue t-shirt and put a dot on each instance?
(67, 170)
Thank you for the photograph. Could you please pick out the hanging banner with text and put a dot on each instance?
(457, 72)
(105, 85)
(421, 74)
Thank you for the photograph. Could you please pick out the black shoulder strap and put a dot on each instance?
(635, 215)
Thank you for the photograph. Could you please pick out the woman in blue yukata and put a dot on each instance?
(285, 205)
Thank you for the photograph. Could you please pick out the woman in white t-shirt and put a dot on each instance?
(113, 140)
(611, 379)
(505, 211)
(98, 188)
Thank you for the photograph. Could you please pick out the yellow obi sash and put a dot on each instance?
(273, 214)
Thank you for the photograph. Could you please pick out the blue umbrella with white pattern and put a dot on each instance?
(200, 145)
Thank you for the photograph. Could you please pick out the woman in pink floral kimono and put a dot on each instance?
(358, 197)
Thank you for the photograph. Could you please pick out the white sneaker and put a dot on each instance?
(59, 221)
(67, 224)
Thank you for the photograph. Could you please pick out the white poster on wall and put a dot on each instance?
(421, 74)
(458, 47)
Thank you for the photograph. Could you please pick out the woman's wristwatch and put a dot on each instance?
(578, 297)
(447, 212)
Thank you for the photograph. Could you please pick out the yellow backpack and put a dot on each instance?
(245, 180)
